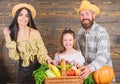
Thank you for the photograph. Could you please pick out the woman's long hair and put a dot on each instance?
(14, 25)
(69, 31)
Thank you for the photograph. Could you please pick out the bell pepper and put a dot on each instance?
(70, 72)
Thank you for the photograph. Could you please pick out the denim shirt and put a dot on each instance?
(95, 47)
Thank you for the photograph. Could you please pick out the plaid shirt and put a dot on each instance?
(95, 47)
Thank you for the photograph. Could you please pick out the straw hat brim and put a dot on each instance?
(85, 5)
(21, 5)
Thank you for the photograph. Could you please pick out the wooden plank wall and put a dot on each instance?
(52, 17)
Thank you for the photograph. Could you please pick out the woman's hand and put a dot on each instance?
(6, 31)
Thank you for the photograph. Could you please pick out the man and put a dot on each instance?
(93, 40)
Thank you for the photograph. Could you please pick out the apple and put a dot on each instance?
(77, 72)
(74, 67)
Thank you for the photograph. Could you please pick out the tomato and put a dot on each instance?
(70, 72)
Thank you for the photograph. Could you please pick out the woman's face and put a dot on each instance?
(68, 41)
(23, 18)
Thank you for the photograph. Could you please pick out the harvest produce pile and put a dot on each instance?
(49, 70)
(102, 76)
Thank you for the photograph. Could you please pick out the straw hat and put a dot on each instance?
(21, 5)
(86, 5)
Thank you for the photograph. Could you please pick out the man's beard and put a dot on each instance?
(87, 25)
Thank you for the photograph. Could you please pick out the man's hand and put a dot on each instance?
(85, 72)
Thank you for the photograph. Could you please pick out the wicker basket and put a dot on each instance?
(64, 80)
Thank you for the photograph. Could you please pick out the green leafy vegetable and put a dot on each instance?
(67, 66)
(39, 74)
(89, 80)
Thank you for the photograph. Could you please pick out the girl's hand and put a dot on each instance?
(49, 61)
(78, 65)
(6, 31)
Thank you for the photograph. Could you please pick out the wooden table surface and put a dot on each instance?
(115, 83)
(110, 83)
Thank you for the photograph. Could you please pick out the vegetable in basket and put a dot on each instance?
(67, 66)
(70, 72)
(39, 74)
(55, 70)
(50, 73)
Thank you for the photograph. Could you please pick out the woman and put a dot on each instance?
(24, 42)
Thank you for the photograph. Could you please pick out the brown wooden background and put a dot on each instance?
(52, 17)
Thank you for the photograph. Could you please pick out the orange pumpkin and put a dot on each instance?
(104, 75)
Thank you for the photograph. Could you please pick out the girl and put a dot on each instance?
(67, 51)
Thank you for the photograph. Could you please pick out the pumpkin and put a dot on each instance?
(104, 75)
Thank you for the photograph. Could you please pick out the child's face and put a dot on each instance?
(68, 41)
